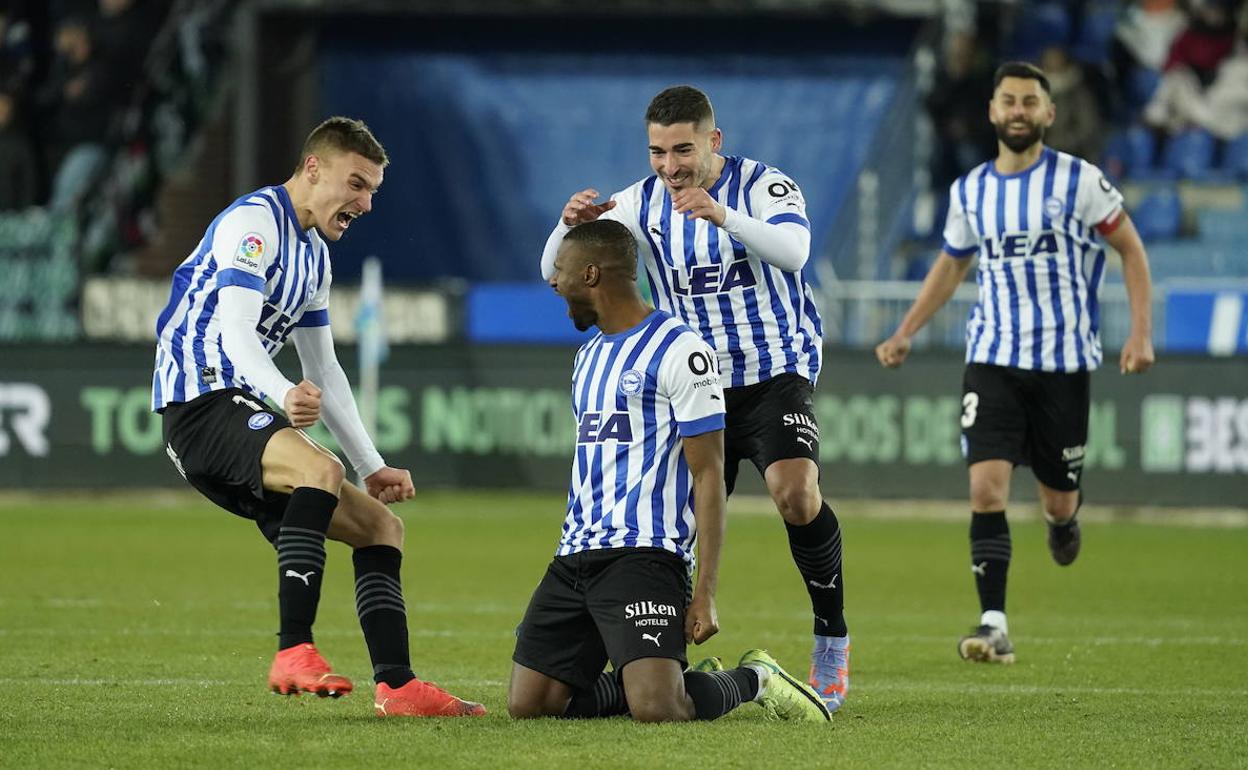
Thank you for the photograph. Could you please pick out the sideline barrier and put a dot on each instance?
(77, 417)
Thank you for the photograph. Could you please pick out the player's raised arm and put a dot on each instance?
(939, 285)
(580, 208)
(778, 232)
(315, 345)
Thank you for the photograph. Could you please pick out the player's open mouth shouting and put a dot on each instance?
(345, 218)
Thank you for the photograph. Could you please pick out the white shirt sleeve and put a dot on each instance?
(244, 245)
(1096, 200)
(238, 308)
(315, 345)
(624, 212)
(960, 240)
(778, 233)
(689, 377)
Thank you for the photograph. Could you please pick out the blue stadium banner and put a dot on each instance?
(77, 416)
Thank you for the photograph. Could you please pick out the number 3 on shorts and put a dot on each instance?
(970, 402)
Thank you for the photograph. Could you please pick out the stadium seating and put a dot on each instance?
(1140, 86)
(1190, 154)
(1043, 25)
(1235, 159)
(1097, 33)
(1158, 215)
(1140, 147)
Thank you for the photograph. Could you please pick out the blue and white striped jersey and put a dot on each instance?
(761, 320)
(1041, 264)
(255, 243)
(634, 396)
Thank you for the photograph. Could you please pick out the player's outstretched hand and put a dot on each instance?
(390, 485)
(701, 620)
(697, 203)
(1137, 355)
(581, 208)
(893, 351)
(303, 404)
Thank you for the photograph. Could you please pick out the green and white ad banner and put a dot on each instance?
(78, 416)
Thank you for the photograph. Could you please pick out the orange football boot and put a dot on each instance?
(422, 699)
(302, 669)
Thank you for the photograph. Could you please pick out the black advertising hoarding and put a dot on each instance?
(77, 417)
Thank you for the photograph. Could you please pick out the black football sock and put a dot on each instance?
(604, 699)
(816, 549)
(715, 693)
(383, 616)
(301, 561)
(990, 558)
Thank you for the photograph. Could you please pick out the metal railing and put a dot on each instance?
(862, 313)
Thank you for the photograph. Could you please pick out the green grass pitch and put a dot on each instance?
(137, 632)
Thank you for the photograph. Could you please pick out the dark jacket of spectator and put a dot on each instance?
(20, 183)
(78, 97)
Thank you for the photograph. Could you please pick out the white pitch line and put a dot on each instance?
(954, 511)
(1076, 641)
(125, 682)
(980, 688)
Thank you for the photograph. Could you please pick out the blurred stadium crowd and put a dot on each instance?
(95, 97)
(102, 100)
(1152, 89)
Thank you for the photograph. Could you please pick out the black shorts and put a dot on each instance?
(1028, 418)
(617, 604)
(216, 441)
(768, 421)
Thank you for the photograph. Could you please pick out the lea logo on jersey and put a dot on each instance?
(1022, 245)
(274, 325)
(250, 252)
(597, 427)
(713, 279)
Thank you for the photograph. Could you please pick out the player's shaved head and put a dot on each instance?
(681, 104)
(343, 135)
(607, 244)
(596, 272)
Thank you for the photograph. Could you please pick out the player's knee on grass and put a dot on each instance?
(532, 694)
(655, 691)
(525, 706)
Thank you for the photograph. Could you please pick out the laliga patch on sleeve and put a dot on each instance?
(250, 252)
